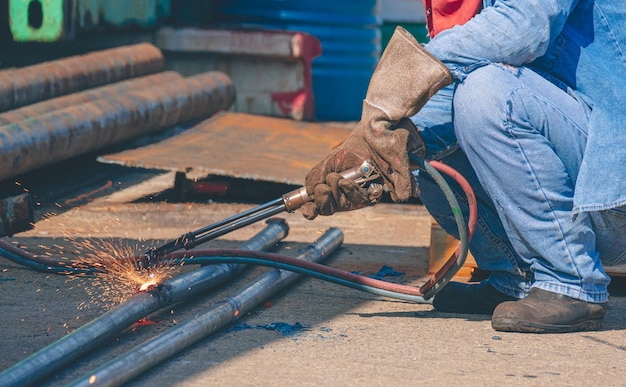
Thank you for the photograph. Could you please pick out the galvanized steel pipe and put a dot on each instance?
(65, 350)
(26, 85)
(159, 348)
(112, 90)
(79, 129)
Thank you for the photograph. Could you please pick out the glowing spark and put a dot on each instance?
(117, 278)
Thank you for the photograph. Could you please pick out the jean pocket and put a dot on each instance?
(610, 229)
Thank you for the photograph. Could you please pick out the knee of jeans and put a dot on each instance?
(480, 102)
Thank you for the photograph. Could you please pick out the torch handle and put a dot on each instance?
(361, 174)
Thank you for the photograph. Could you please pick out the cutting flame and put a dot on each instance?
(147, 285)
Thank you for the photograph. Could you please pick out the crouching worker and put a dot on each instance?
(526, 100)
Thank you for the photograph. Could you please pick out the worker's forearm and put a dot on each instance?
(511, 32)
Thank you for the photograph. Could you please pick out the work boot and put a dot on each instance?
(547, 312)
(471, 298)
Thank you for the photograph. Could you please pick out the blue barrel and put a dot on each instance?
(348, 30)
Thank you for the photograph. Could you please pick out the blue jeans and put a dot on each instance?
(519, 140)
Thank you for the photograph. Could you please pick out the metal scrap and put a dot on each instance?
(240, 145)
(16, 215)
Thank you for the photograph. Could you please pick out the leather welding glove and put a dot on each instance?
(404, 80)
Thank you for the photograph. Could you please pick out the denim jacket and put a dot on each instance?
(578, 45)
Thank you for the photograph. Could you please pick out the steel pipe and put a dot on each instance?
(67, 349)
(76, 130)
(108, 91)
(159, 348)
(26, 85)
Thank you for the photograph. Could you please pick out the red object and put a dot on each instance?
(144, 321)
(300, 104)
(211, 188)
(444, 14)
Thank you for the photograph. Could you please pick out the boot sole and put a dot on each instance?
(510, 325)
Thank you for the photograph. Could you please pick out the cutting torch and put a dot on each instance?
(365, 175)
(368, 178)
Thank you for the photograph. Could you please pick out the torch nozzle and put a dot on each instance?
(147, 261)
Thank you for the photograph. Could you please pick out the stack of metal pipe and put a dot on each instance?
(44, 131)
(60, 109)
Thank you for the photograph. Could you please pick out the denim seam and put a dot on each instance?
(591, 208)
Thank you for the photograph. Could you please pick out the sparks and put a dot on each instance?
(118, 278)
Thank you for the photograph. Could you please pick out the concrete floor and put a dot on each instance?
(347, 337)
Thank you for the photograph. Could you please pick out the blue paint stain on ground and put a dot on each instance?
(283, 328)
(239, 327)
(386, 271)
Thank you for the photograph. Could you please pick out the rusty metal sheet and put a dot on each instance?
(240, 145)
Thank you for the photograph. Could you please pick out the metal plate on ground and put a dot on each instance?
(240, 145)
